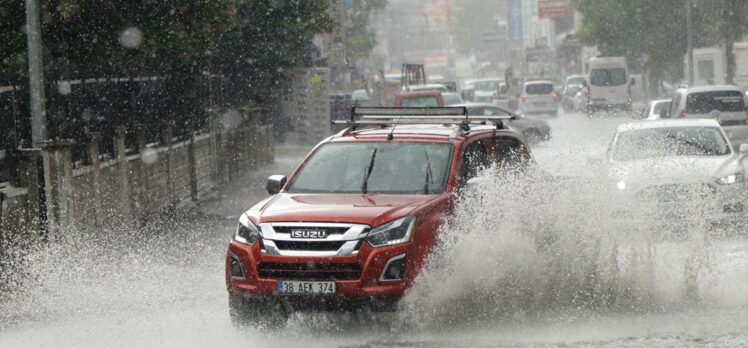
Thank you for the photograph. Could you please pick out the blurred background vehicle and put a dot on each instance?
(451, 98)
(419, 99)
(726, 104)
(655, 110)
(534, 130)
(539, 97)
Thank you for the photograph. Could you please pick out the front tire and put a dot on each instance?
(266, 313)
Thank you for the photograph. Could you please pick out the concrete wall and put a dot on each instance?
(165, 175)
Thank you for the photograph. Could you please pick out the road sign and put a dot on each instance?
(553, 8)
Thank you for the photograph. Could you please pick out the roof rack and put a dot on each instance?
(389, 116)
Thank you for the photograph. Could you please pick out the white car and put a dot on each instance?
(727, 104)
(539, 97)
(451, 98)
(655, 110)
(681, 173)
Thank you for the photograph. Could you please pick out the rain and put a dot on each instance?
(374, 173)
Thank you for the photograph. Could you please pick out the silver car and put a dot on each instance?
(655, 110)
(539, 97)
(533, 130)
(678, 173)
(727, 104)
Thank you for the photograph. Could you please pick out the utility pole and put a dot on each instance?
(36, 73)
(689, 30)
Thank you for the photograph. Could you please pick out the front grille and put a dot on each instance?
(330, 230)
(308, 246)
(676, 193)
(326, 271)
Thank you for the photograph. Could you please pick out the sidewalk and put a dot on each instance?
(243, 192)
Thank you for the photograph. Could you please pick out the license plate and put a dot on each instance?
(295, 287)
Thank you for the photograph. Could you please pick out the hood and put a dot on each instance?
(372, 210)
(676, 169)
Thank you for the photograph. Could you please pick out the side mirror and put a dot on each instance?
(276, 183)
(744, 149)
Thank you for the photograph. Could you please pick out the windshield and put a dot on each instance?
(669, 141)
(539, 88)
(491, 85)
(573, 90)
(608, 77)
(706, 102)
(578, 80)
(398, 168)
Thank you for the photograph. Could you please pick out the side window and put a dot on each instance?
(509, 153)
(496, 112)
(474, 159)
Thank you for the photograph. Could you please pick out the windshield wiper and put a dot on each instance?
(429, 178)
(364, 185)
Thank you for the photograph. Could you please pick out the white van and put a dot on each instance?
(607, 84)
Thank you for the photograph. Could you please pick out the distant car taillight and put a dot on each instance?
(682, 113)
(524, 97)
(555, 95)
(746, 122)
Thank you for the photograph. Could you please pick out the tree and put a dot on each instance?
(251, 42)
(734, 23)
(360, 39)
(650, 34)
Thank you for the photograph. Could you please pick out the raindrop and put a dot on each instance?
(231, 119)
(63, 87)
(149, 156)
(131, 37)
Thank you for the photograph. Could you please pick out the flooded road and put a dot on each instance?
(161, 284)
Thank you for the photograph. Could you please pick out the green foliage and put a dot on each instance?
(651, 34)
(360, 40)
(255, 40)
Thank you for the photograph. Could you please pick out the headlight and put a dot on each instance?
(731, 179)
(621, 185)
(394, 232)
(246, 231)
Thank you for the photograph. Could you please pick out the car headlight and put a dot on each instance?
(731, 179)
(621, 185)
(246, 231)
(394, 232)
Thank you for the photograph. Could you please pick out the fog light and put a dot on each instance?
(394, 269)
(236, 268)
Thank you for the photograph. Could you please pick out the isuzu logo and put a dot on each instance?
(310, 234)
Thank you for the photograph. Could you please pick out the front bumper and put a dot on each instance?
(357, 277)
(712, 206)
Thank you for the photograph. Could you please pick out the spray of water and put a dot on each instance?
(523, 245)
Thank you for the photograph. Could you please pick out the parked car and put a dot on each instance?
(419, 99)
(451, 98)
(679, 168)
(358, 218)
(534, 130)
(655, 110)
(539, 97)
(727, 104)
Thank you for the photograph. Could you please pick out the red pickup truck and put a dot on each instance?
(355, 222)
